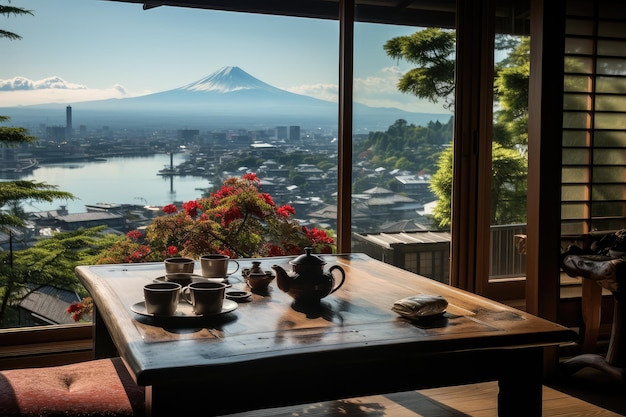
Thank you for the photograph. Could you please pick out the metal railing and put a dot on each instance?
(506, 259)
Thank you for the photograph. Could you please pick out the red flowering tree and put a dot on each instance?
(237, 220)
(82, 311)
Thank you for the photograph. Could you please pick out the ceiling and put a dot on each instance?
(439, 13)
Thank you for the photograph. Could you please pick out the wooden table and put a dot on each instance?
(266, 354)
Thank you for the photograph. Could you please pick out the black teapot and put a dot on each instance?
(307, 283)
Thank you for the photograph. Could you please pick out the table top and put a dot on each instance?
(350, 323)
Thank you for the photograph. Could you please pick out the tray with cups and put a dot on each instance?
(182, 294)
(172, 300)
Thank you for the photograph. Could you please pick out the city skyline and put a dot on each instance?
(90, 50)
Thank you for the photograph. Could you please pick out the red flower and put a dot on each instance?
(285, 210)
(319, 239)
(170, 208)
(78, 310)
(230, 215)
(293, 249)
(268, 199)
(134, 234)
(74, 307)
(172, 250)
(227, 252)
(225, 191)
(251, 176)
(275, 251)
(191, 208)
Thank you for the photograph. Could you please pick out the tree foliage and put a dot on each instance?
(50, 262)
(433, 79)
(237, 220)
(8, 11)
(405, 146)
(431, 50)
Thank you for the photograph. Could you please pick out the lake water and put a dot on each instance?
(131, 180)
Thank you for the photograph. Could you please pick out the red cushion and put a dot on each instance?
(92, 388)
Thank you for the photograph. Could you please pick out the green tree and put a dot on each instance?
(431, 50)
(511, 91)
(405, 146)
(508, 186)
(8, 11)
(433, 79)
(49, 261)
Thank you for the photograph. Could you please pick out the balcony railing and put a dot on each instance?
(506, 260)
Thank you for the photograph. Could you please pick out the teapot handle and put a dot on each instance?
(343, 277)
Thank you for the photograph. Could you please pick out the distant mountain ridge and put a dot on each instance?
(227, 98)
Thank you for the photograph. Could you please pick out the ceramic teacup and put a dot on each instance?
(161, 298)
(205, 297)
(177, 269)
(215, 265)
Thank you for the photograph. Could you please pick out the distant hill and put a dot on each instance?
(228, 98)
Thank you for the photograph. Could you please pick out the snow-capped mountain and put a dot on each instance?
(227, 98)
(227, 80)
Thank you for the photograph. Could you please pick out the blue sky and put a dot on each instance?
(103, 49)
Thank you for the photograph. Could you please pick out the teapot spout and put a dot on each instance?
(282, 278)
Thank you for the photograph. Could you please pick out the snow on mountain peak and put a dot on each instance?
(228, 79)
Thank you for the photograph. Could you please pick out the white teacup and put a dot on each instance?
(215, 265)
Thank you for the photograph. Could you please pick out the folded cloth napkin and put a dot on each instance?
(422, 305)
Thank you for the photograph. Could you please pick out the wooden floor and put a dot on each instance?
(475, 400)
(588, 393)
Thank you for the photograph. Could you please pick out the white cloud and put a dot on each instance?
(329, 92)
(21, 83)
(20, 91)
(379, 90)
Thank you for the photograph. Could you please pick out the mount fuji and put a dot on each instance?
(227, 98)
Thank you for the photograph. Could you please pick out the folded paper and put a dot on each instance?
(418, 306)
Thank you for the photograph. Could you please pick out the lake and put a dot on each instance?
(130, 180)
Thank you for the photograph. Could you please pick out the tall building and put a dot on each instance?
(294, 133)
(68, 122)
(281, 133)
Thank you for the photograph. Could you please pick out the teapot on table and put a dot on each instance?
(256, 278)
(307, 282)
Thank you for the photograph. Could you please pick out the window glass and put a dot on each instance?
(162, 110)
(509, 156)
(395, 162)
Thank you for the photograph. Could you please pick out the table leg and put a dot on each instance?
(520, 384)
(103, 345)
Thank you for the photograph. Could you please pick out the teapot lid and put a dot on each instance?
(308, 259)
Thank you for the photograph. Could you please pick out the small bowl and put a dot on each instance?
(238, 295)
